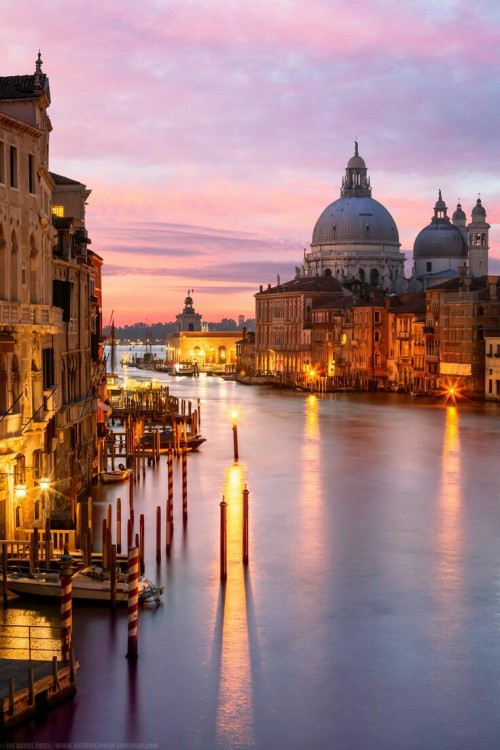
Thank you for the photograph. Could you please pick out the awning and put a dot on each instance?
(106, 408)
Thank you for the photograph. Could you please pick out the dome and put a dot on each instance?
(459, 214)
(356, 162)
(440, 240)
(351, 219)
(478, 212)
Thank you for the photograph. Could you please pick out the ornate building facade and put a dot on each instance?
(47, 403)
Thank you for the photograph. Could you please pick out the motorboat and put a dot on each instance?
(183, 368)
(116, 475)
(91, 583)
(192, 443)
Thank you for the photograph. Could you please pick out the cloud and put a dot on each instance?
(195, 115)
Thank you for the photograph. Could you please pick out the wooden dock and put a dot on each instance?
(29, 687)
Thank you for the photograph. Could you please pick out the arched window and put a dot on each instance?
(376, 336)
(374, 276)
(222, 354)
(328, 271)
(361, 274)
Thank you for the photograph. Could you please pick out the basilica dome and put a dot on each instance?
(356, 237)
(353, 219)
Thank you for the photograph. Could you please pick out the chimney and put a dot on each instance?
(261, 288)
(244, 332)
(492, 281)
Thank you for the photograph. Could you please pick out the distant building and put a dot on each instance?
(194, 344)
(189, 319)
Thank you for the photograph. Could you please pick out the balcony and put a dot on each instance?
(404, 335)
(21, 314)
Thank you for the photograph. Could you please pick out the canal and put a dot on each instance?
(368, 616)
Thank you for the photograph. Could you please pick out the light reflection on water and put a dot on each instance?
(368, 616)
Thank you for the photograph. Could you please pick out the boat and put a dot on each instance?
(167, 441)
(182, 368)
(117, 475)
(91, 583)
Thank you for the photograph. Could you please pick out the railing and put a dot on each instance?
(34, 642)
(19, 313)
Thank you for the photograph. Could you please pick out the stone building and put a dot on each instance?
(45, 286)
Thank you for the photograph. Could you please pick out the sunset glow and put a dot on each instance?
(213, 135)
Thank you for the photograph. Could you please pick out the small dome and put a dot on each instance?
(459, 215)
(356, 162)
(188, 301)
(478, 210)
(440, 240)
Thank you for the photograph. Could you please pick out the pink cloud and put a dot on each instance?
(235, 119)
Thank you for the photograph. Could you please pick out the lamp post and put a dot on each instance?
(234, 416)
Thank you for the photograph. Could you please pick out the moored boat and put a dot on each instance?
(117, 475)
(92, 584)
(167, 441)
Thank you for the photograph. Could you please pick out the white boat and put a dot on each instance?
(117, 475)
(92, 584)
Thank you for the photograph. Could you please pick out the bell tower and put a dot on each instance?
(478, 241)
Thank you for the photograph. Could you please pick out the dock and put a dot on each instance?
(29, 688)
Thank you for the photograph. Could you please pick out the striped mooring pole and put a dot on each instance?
(184, 486)
(66, 574)
(133, 603)
(171, 489)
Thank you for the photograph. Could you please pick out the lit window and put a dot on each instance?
(58, 211)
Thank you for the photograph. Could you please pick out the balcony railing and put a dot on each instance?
(19, 313)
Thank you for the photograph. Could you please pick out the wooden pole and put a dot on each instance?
(78, 526)
(112, 584)
(245, 526)
(133, 603)
(141, 540)
(47, 543)
(90, 543)
(158, 533)
(130, 533)
(168, 523)
(104, 543)
(118, 525)
(131, 497)
(170, 460)
(109, 516)
(36, 540)
(235, 440)
(223, 540)
(89, 515)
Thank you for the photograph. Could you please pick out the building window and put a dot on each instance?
(58, 211)
(428, 266)
(377, 316)
(13, 166)
(31, 174)
(2, 162)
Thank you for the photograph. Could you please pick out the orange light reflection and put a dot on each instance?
(235, 714)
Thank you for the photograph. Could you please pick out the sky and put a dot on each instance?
(213, 133)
